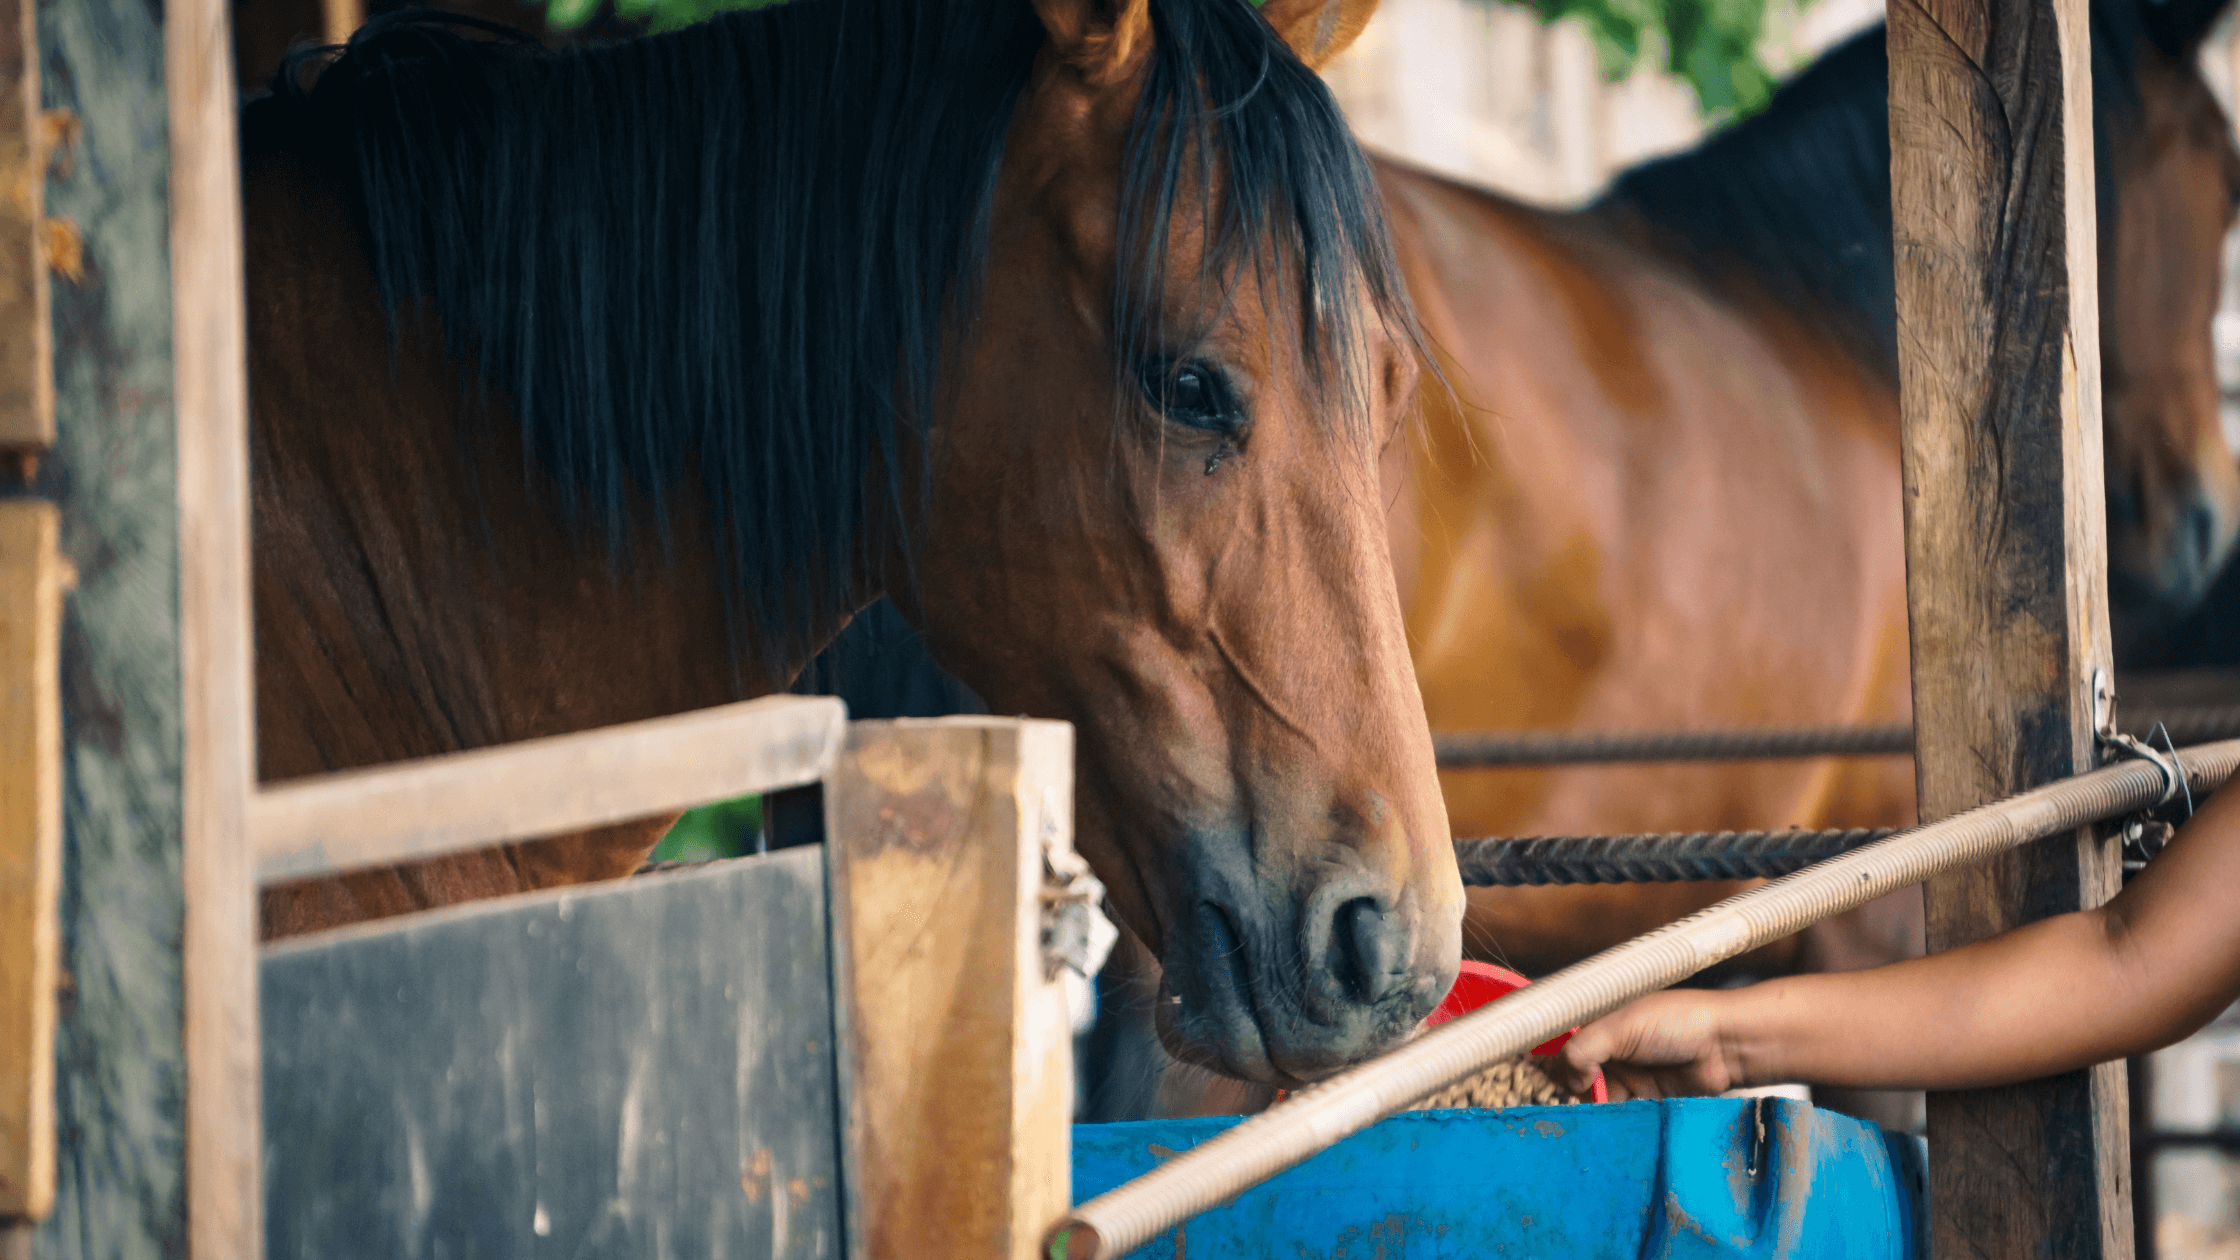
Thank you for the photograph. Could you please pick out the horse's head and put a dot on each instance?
(1155, 513)
(2174, 175)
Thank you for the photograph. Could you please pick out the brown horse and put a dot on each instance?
(1664, 490)
(603, 384)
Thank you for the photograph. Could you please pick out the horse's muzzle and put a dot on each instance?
(1288, 980)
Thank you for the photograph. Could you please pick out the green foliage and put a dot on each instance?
(723, 830)
(656, 15)
(1713, 44)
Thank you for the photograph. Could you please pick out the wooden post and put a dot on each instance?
(957, 1070)
(210, 362)
(32, 579)
(1998, 335)
(156, 1097)
(26, 336)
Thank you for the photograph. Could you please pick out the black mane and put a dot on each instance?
(728, 252)
(1799, 193)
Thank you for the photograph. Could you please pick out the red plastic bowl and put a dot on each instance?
(1480, 983)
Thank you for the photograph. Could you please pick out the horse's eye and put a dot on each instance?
(1193, 393)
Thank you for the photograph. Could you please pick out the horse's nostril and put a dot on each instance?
(2124, 507)
(2200, 527)
(1366, 948)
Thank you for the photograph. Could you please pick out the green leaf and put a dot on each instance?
(722, 830)
(567, 15)
(1712, 44)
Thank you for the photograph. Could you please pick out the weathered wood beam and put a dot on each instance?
(957, 1071)
(33, 577)
(540, 787)
(1993, 207)
(26, 333)
(120, 1074)
(217, 767)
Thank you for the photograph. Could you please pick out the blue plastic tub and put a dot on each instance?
(1698, 1177)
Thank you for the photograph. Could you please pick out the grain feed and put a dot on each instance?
(1517, 1083)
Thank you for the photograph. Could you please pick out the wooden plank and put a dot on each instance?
(120, 1088)
(340, 18)
(1998, 333)
(419, 809)
(641, 1068)
(26, 331)
(958, 1079)
(32, 579)
(209, 346)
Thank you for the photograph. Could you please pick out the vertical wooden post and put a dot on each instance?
(210, 353)
(32, 579)
(156, 1094)
(338, 19)
(956, 1068)
(26, 336)
(1998, 335)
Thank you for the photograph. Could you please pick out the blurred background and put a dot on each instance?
(1544, 102)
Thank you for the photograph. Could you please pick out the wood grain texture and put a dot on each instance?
(120, 1089)
(541, 787)
(958, 1085)
(26, 333)
(210, 364)
(631, 1071)
(339, 18)
(32, 579)
(1992, 194)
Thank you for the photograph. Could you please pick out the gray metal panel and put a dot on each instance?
(637, 1069)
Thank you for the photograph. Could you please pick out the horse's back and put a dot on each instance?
(1657, 507)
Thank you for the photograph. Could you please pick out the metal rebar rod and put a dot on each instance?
(1488, 750)
(1126, 1217)
(1651, 857)
(1484, 749)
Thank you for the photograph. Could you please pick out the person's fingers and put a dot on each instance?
(1627, 1083)
(1574, 1066)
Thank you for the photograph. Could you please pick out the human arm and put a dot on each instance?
(2151, 966)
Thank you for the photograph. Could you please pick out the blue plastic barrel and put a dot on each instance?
(1700, 1177)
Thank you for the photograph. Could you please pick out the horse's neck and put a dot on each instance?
(416, 590)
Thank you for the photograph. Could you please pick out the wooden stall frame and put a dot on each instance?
(1998, 334)
(437, 805)
(956, 1080)
(957, 1102)
(210, 356)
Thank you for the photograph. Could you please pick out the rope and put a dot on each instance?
(1126, 1217)
(1479, 750)
(1652, 858)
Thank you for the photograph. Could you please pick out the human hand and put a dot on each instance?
(1665, 1045)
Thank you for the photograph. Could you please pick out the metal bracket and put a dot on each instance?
(2119, 744)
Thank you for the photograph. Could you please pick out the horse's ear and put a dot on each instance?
(1318, 30)
(2180, 26)
(1106, 40)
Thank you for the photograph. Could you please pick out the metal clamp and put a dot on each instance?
(2104, 731)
